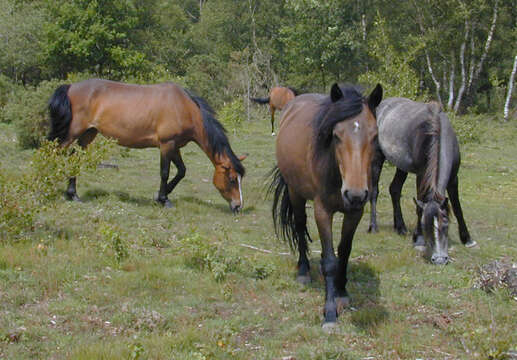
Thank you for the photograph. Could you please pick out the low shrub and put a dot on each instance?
(23, 196)
(27, 109)
(204, 255)
(232, 114)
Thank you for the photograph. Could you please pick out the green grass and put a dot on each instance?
(119, 277)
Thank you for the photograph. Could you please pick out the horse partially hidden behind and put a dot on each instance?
(278, 97)
(418, 138)
(165, 116)
(324, 150)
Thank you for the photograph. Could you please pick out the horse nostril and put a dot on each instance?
(439, 260)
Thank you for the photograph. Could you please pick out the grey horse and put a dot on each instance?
(418, 138)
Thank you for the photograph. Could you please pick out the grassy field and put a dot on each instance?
(119, 277)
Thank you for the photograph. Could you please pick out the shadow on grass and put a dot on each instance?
(363, 287)
(121, 195)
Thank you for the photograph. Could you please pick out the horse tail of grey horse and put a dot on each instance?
(433, 131)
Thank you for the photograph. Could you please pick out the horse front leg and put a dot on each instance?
(377, 162)
(452, 189)
(395, 191)
(418, 237)
(329, 263)
(350, 223)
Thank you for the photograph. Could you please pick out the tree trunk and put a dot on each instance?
(463, 72)
(451, 82)
(475, 70)
(435, 80)
(510, 90)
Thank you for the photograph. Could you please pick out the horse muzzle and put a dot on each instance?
(235, 207)
(439, 259)
(355, 199)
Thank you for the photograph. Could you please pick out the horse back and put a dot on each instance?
(136, 115)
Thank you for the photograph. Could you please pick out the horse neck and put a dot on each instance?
(201, 139)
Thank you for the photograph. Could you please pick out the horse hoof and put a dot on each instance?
(303, 279)
(73, 197)
(329, 326)
(471, 243)
(167, 204)
(342, 303)
(373, 229)
(273, 133)
(401, 231)
(420, 248)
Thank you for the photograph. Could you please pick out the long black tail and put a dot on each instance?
(283, 212)
(261, 100)
(60, 111)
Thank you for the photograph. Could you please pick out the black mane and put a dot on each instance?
(216, 133)
(330, 114)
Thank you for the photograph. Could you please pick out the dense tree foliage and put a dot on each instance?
(458, 52)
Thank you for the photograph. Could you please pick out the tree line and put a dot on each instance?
(458, 52)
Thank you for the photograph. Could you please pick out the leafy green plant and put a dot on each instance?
(23, 196)
(204, 255)
(27, 109)
(111, 238)
(232, 114)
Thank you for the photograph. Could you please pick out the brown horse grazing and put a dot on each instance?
(324, 150)
(278, 98)
(165, 116)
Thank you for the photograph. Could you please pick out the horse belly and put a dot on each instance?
(394, 143)
(133, 134)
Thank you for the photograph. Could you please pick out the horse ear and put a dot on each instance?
(418, 203)
(375, 97)
(242, 157)
(335, 93)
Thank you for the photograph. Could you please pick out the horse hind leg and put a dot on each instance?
(84, 139)
(272, 110)
(452, 189)
(300, 225)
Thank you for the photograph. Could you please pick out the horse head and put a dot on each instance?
(353, 146)
(435, 228)
(227, 179)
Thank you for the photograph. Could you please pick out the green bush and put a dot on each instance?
(23, 196)
(27, 109)
(18, 208)
(7, 90)
(232, 114)
(467, 128)
(204, 255)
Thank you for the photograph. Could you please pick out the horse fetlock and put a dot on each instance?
(419, 242)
